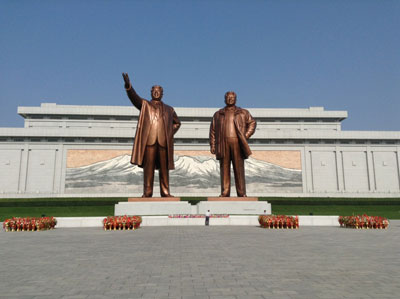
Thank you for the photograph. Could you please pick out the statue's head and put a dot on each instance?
(230, 98)
(157, 92)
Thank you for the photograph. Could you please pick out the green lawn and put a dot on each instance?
(80, 207)
(330, 201)
(390, 212)
(73, 211)
(62, 200)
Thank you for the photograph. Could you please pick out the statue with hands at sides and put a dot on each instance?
(230, 129)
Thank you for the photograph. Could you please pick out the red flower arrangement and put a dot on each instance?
(279, 221)
(198, 216)
(122, 222)
(363, 221)
(29, 224)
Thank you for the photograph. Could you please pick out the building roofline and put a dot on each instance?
(195, 112)
(202, 134)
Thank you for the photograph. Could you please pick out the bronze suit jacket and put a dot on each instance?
(171, 126)
(245, 126)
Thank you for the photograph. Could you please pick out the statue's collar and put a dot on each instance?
(156, 103)
(235, 108)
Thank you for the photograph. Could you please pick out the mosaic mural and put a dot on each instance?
(110, 171)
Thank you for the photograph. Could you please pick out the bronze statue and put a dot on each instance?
(153, 147)
(230, 129)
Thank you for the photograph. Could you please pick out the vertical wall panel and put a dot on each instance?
(10, 165)
(307, 171)
(41, 165)
(355, 171)
(324, 171)
(304, 177)
(371, 171)
(339, 168)
(386, 171)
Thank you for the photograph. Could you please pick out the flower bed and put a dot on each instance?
(278, 221)
(122, 222)
(29, 224)
(198, 216)
(363, 221)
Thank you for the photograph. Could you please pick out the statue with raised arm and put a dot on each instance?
(153, 147)
(230, 129)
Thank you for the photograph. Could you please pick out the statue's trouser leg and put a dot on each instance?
(149, 162)
(238, 167)
(225, 171)
(163, 172)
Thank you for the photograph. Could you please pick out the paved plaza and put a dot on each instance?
(201, 262)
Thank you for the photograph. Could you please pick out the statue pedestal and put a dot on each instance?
(149, 207)
(232, 199)
(234, 206)
(150, 199)
(157, 206)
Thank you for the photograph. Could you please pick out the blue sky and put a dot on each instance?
(342, 55)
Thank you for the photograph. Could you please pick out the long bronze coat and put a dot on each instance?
(245, 126)
(171, 126)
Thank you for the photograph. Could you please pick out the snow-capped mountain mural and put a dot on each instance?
(192, 174)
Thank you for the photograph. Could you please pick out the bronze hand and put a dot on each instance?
(127, 81)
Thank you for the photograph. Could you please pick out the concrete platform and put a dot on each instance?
(71, 222)
(63, 222)
(232, 198)
(231, 220)
(149, 208)
(151, 199)
(153, 208)
(319, 221)
(234, 207)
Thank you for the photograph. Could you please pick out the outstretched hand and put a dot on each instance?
(126, 79)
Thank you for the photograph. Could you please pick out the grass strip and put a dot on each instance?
(331, 200)
(334, 203)
(61, 199)
(57, 203)
(390, 212)
(85, 207)
(81, 211)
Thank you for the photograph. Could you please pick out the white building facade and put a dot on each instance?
(71, 151)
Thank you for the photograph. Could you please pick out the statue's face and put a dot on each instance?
(156, 93)
(230, 99)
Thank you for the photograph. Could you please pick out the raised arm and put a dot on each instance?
(132, 95)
